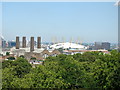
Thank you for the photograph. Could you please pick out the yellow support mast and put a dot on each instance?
(71, 40)
(63, 40)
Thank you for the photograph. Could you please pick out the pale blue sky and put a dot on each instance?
(89, 21)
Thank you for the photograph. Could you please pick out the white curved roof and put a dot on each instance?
(68, 45)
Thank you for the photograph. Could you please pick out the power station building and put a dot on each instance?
(28, 52)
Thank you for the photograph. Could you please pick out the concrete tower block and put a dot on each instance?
(38, 42)
(32, 44)
(17, 43)
(24, 42)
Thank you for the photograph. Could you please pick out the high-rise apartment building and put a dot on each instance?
(106, 45)
(11, 44)
(3, 43)
(102, 45)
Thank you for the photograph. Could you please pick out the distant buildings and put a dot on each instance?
(98, 45)
(7, 44)
(106, 45)
(3, 43)
(34, 49)
(102, 45)
(72, 52)
(38, 52)
(11, 44)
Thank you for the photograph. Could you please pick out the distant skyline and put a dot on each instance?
(88, 21)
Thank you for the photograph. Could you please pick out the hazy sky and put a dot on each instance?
(89, 21)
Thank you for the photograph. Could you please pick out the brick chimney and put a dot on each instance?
(24, 42)
(38, 42)
(17, 43)
(32, 44)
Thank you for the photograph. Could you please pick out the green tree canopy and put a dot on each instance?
(7, 53)
(87, 70)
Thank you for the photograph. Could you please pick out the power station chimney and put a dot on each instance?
(32, 44)
(24, 42)
(17, 43)
(38, 42)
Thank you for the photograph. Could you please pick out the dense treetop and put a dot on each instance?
(87, 70)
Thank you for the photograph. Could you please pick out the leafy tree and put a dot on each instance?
(7, 77)
(22, 67)
(6, 64)
(22, 56)
(88, 70)
(7, 53)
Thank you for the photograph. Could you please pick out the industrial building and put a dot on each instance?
(28, 52)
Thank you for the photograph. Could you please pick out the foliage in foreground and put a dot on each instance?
(88, 70)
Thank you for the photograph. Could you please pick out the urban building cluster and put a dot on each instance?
(8, 44)
(100, 45)
(34, 50)
(28, 52)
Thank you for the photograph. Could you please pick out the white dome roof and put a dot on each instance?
(68, 45)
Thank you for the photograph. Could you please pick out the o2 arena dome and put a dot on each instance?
(68, 45)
